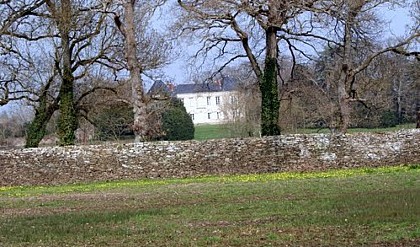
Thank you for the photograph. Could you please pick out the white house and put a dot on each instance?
(206, 103)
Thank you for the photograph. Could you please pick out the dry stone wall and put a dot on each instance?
(59, 165)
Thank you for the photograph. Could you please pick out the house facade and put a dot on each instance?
(207, 103)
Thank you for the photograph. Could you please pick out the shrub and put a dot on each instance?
(388, 119)
(177, 123)
(113, 123)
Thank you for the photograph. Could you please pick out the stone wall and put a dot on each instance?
(58, 165)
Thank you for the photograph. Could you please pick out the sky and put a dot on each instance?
(398, 19)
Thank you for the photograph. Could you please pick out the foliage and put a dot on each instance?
(176, 122)
(384, 94)
(377, 118)
(388, 119)
(113, 122)
(167, 121)
(10, 128)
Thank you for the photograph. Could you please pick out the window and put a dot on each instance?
(217, 100)
(192, 116)
(208, 100)
(236, 114)
(209, 115)
(191, 100)
(218, 115)
(233, 99)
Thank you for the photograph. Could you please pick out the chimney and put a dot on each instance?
(219, 83)
(170, 86)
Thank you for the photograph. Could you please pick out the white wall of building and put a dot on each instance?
(206, 107)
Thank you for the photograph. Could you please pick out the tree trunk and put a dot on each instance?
(417, 88)
(67, 122)
(37, 128)
(345, 76)
(343, 103)
(140, 126)
(418, 110)
(269, 89)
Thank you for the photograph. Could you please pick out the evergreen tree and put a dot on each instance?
(177, 123)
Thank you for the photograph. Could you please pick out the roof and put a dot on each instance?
(222, 85)
(159, 87)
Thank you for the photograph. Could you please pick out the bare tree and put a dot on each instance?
(242, 109)
(132, 21)
(77, 26)
(13, 126)
(12, 62)
(352, 20)
(253, 27)
(72, 39)
(20, 29)
(263, 27)
(135, 69)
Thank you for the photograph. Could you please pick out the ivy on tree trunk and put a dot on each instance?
(270, 103)
(67, 122)
(37, 128)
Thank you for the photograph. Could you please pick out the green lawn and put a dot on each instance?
(370, 207)
(211, 131)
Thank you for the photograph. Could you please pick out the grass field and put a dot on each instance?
(211, 131)
(361, 207)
